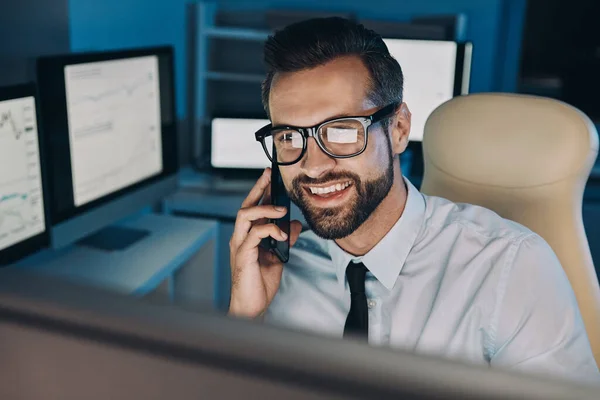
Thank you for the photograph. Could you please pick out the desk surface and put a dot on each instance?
(139, 268)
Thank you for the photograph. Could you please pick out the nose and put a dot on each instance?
(316, 162)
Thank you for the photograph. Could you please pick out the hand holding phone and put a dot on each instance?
(256, 270)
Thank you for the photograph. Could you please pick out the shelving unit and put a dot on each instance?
(227, 69)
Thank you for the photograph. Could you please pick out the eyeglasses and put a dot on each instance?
(339, 138)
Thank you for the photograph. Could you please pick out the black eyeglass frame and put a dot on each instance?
(307, 132)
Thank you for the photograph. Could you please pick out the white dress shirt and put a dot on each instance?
(448, 279)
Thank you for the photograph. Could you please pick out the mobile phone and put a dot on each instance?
(279, 197)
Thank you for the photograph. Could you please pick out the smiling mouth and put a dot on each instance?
(330, 190)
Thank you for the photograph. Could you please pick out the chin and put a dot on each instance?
(332, 223)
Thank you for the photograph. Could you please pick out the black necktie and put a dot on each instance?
(357, 323)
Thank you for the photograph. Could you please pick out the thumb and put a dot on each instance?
(295, 229)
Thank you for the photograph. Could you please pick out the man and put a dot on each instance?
(382, 261)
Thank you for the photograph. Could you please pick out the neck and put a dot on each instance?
(385, 216)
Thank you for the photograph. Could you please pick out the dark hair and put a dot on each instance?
(315, 42)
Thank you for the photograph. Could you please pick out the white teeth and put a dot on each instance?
(330, 189)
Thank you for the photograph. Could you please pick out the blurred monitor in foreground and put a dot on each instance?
(65, 342)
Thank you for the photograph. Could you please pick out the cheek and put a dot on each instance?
(375, 158)
(288, 174)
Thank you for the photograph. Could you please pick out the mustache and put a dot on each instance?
(328, 177)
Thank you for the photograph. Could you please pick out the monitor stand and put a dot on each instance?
(114, 238)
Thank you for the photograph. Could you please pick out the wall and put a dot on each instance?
(31, 28)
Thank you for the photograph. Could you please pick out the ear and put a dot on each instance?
(400, 129)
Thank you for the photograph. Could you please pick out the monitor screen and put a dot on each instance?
(110, 125)
(233, 144)
(113, 110)
(429, 68)
(22, 213)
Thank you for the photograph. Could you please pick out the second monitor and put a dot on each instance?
(434, 72)
(111, 136)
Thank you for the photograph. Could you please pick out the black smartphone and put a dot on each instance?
(279, 197)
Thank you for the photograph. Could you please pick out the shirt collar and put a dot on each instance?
(386, 259)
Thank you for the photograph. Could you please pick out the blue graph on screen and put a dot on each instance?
(13, 196)
(16, 202)
(21, 199)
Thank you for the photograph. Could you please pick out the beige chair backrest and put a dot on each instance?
(528, 159)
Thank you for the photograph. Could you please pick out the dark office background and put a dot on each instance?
(561, 52)
(549, 47)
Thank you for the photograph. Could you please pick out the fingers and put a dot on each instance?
(256, 193)
(267, 194)
(246, 216)
(257, 233)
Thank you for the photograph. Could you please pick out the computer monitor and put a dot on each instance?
(433, 74)
(110, 123)
(234, 146)
(60, 341)
(23, 216)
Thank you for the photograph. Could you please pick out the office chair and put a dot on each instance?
(528, 159)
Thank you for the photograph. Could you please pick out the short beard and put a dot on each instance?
(340, 222)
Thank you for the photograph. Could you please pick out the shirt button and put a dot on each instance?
(372, 303)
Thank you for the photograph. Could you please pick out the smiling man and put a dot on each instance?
(382, 261)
